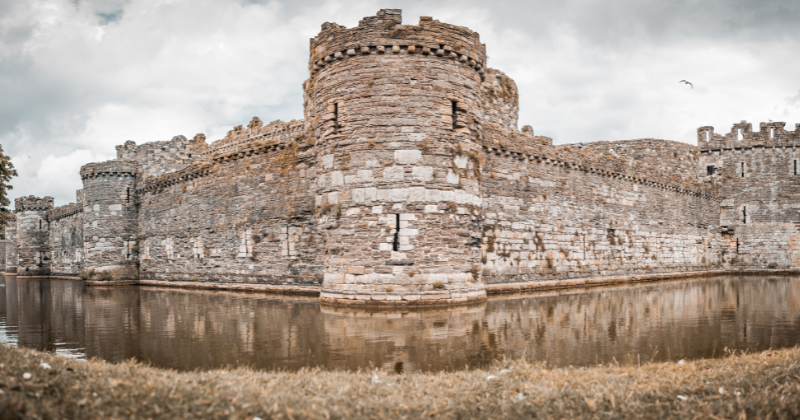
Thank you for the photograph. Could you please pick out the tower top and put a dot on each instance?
(33, 203)
(384, 33)
(771, 134)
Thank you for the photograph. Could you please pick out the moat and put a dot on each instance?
(188, 330)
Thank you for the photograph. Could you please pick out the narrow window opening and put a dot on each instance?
(710, 170)
(744, 215)
(737, 245)
(739, 135)
(742, 169)
(336, 116)
(396, 242)
(40, 224)
(454, 111)
(128, 193)
(708, 135)
(772, 132)
(795, 166)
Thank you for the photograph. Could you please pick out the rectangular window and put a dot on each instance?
(396, 242)
(128, 193)
(737, 245)
(336, 116)
(744, 215)
(794, 164)
(454, 113)
(742, 169)
(710, 170)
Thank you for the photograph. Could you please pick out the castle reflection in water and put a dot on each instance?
(194, 329)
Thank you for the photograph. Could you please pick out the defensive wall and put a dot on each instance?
(758, 174)
(409, 182)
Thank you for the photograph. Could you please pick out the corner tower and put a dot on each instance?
(395, 111)
(758, 173)
(33, 235)
(110, 213)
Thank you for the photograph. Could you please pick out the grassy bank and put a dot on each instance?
(763, 385)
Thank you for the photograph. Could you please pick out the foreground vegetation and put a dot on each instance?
(763, 385)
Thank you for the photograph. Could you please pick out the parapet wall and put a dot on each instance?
(500, 100)
(677, 160)
(770, 134)
(616, 160)
(158, 158)
(276, 132)
(385, 34)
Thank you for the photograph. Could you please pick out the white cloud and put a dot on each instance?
(55, 173)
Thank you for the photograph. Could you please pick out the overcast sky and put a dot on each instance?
(79, 77)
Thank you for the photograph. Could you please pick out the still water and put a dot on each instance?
(189, 329)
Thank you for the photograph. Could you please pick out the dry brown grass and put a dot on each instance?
(763, 385)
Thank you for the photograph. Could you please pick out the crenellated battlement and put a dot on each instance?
(111, 168)
(274, 132)
(384, 34)
(67, 210)
(770, 134)
(33, 203)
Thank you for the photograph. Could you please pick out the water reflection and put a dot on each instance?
(197, 329)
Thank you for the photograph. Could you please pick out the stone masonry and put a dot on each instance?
(409, 182)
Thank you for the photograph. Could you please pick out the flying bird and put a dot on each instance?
(684, 81)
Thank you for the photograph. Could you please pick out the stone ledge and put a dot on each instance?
(506, 288)
(331, 301)
(245, 287)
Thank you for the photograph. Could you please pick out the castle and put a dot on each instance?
(408, 182)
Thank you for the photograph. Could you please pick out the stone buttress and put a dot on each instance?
(395, 110)
(33, 235)
(110, 212)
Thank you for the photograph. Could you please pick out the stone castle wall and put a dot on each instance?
(759, 176)
(408, 182)
(10, 251)
(563, 217)
(66, 240)
(247, 216)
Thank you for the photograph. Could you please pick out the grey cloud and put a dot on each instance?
(587, 70)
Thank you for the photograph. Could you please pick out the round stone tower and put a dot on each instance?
(110, 216)
(33, 235)
(395, 111)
